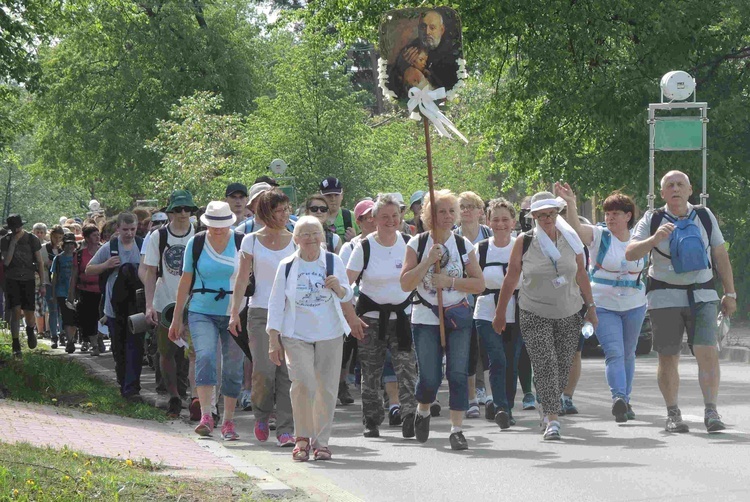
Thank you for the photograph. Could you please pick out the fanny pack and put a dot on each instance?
(458, 316)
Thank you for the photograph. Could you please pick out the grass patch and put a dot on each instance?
(45, 474)
(40, 378)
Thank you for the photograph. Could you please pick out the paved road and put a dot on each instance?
(597, 459)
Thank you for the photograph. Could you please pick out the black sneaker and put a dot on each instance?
(174, 407)
(422, 428)
(675, 423)
(458, 441)
(620, 410)
(371, 430)
(85, 347)
(435, 409)
(102, 347)
(17, 348)
(31, 338)
(630, 413)
(394, 416)
(216, 417)
(54, 342)
(511, 420)
(407, 425)
(713, 421)
(344, 396)
(70, 347)
(489, 410)
(502, 419)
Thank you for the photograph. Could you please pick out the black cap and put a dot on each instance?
(331, 185)
(69, 237)
(14, 221)
(236, 187)
(266, 179)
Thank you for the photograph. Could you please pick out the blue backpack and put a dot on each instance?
(687, 250)
(604, 245)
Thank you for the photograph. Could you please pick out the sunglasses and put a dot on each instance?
(182, 209)
(318, 209)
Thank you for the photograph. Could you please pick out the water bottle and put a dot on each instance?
(587, 330)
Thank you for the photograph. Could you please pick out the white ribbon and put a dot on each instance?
(425, 100)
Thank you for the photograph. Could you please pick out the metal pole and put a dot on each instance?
(651, 134)
(704, 152)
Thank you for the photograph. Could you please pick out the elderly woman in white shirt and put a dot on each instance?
(306, 327)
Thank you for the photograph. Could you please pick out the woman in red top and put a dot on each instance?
(85, 289)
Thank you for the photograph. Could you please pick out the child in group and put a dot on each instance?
(62, 268)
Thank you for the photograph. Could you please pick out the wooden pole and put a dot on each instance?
(433, 215)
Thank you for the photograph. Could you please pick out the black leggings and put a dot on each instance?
(88, 313)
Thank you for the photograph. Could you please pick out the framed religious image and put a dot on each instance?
(420, 48)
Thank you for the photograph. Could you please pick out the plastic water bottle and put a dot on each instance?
(587, 330)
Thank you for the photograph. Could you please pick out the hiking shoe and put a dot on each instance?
(489, 410)
(502, 418)
(620, 410)
(394, 416)
(17, 348)
(630, 413)
(713, 422)
(261, 431)
(371, 430)
(286, 440)
(195, 409)
(552, 432)
(458, 441)
(227, 431)
(344, 396)
(85, 347)
(422, 428)
(70, 347)
(511, 420)
(102, 347)
(206, 426)
(244, 401)
(31, 338)
(481, 397)
(675, 423)
(407, 425)
(174, 407)
(568, 408)
(54, 342)
(529, 403)
(435, 409)
(473, 411)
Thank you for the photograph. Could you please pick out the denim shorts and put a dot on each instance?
(205, 331)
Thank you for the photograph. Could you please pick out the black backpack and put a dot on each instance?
(484, 246)
(366, 253)
(329, 266)
(163, 246)
(114, 250)
(460, 245)
(199, 241)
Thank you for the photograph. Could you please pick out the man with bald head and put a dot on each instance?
(685, 300)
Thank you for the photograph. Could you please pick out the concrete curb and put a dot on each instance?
(267, 483)
(734, 353)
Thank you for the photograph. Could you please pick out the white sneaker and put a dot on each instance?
(481, 396)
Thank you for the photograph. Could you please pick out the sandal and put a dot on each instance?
(301, 454)
(322, 453)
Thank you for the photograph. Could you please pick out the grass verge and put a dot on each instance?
(40, 378)
(45, 474)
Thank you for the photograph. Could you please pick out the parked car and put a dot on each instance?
(645, 341)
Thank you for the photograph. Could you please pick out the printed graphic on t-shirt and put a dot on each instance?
(448, 266)
(173, 257)
(311, 290)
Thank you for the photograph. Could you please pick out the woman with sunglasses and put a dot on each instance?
(554, 278)
(317, 206)
(262, 251)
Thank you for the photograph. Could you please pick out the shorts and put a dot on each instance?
(669, 326)
(67, 315)
(21, 293)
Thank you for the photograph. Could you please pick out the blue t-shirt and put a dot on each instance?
(215, 271)
(62, 267)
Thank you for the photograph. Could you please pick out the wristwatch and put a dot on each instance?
(590, 305)
(731, 295)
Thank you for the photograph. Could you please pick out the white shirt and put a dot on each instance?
(346, 250)
(450, 266)
(265, 263)
(493, 279)
(615, 267)
(171, 262)
(381, 279)
(282, 305)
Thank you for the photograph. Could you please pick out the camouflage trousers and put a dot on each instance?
(372, 358)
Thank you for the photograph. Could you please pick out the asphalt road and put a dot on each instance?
(597, 460)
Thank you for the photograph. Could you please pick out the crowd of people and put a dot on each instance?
(272, 312)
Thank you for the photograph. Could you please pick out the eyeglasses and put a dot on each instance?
(182, 209)
(467, 207)
(318, 209)
(547, 216)
(309, 235)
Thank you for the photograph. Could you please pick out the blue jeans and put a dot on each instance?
(54, 319)
(618, 333)
(430, 361)
(502, 351)
(206, 330)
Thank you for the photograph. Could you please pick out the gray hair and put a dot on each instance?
(39, 226)
(385, 199)
(671, 173)
(305, 221)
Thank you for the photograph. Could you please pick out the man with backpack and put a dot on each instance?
(684, 241)
(340, 220)
(120, 257)
(162, 265)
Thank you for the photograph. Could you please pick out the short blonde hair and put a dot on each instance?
(471, 197)
(440, 196)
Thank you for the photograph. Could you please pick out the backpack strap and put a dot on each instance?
(604, 244)
(329, 242)
(163, 245)
(288, 269)
(346, 215)
(483, 248)
(139, 242)
(238, 236)
(406, 237)
(365, 257)
(114, 246)
(329, 264)
(461, 246)
(421, 245)
(705, 220)
(486, 231)
(199, 240)
(527, 238)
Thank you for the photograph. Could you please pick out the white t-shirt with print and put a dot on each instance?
(171, 261)
(450, 266)
(265, 263)
(314, 304)
(615, 267)
(493, 279)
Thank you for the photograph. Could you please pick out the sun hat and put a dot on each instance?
(545, 200)
(14, 221)
(180, 198)
(256, 190)
(362, 208)
(218, 215)
(416, 197)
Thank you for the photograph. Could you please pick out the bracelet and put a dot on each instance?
(453, 284)
(731, 295)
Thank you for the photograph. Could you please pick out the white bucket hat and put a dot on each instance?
(218, 215)
(256, 190)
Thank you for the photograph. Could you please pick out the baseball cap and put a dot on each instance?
(69, 238)
(362, 208)
(236, 187)
(331, 185)
(256, 190)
